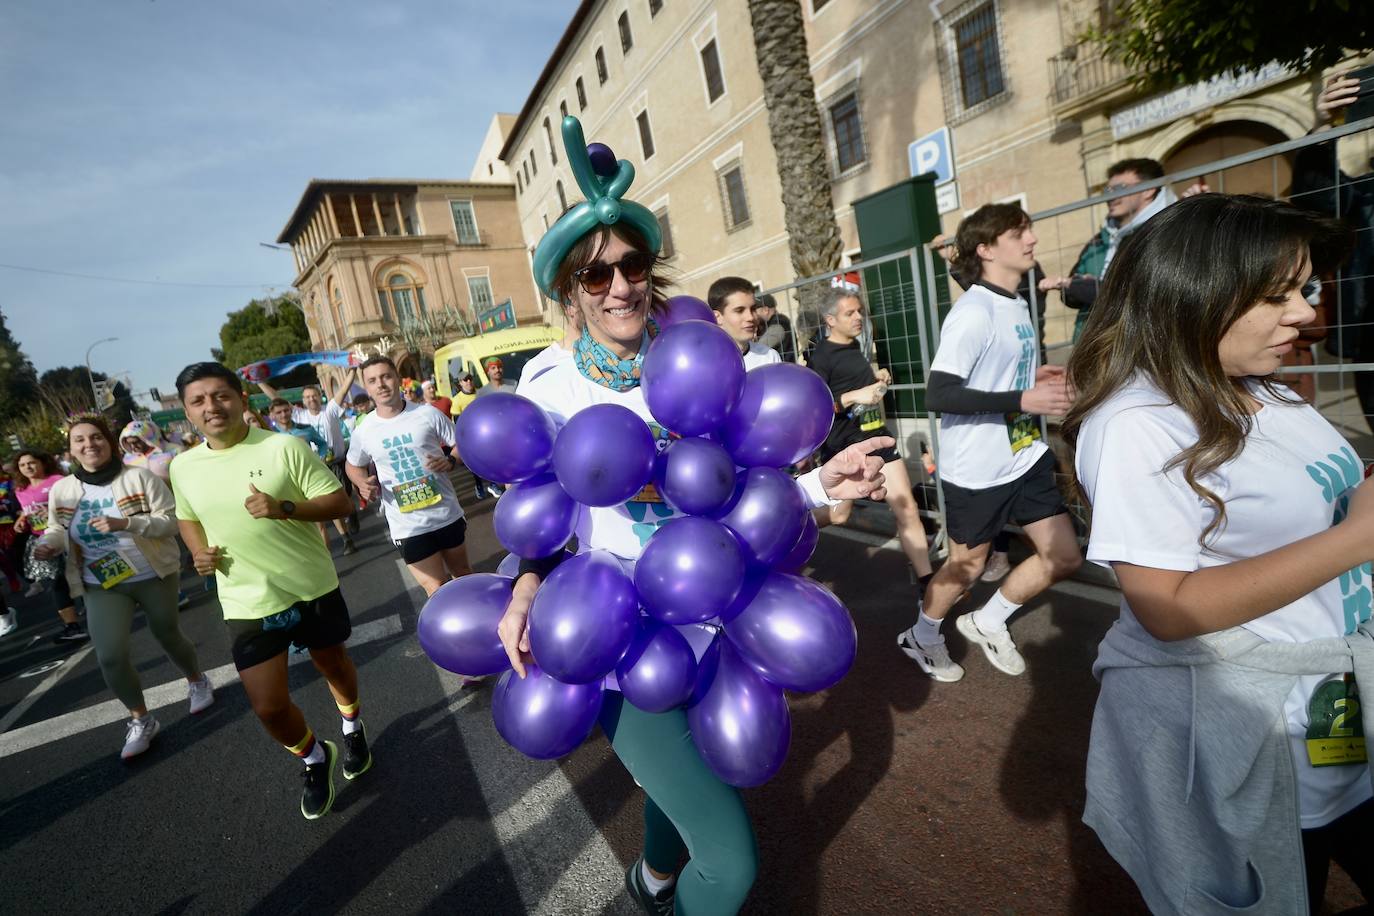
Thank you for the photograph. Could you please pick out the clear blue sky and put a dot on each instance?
(164, 140)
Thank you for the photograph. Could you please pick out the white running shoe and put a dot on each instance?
(933, 659)
(997, 567)
(140, 734)
(7, 623)
(998, 647)
(201, 692)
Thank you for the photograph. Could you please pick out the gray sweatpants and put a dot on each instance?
(110, 618)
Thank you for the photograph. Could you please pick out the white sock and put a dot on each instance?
(316, 754)
(992, 617)
(351, 725)
(651, 881)
(927, 630)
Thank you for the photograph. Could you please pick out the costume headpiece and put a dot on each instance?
(604, 182)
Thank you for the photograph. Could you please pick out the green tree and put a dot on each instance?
(18, 380)
(1178, 42)
(262, 329)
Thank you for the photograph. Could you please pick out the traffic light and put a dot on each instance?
(156, 395)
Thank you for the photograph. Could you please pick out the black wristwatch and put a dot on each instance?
(288, 508)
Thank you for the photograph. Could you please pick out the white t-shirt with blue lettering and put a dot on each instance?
(415, 499)
(95, 546)
(1291, 480)
(988, 341)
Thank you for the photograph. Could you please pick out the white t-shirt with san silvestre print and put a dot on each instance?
(415, 499)
(1292, 479)
(987, 340)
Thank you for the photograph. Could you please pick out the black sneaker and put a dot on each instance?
(318, 795)
(660, 904)
(357, 759)
(349, 547)
(72, 633)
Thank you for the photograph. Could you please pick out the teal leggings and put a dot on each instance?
(110, 618)
(686, 809)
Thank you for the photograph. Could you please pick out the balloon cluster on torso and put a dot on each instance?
(722, 577)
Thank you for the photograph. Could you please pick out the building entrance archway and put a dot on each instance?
(1271, 177)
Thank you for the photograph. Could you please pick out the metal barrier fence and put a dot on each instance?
(907, 294)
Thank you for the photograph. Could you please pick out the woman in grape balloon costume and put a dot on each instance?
(664, 458)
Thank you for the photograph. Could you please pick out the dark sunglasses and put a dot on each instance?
(634, 267)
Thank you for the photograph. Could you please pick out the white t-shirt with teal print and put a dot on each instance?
(1292, 479)
(415, 499)
(623, 530)
(988, 341)
(97, 546)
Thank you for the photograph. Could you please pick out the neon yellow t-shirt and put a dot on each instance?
(266, 565)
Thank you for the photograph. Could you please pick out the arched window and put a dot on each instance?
(401, 298)
(322, 319)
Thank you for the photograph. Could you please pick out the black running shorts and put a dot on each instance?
(317, 624)
(974, 517)
(423, 546)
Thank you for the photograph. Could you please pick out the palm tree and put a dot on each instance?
(794, 123)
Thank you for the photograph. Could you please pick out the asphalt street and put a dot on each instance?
(899, 795)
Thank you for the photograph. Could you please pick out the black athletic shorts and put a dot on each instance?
(830, 449)
(339, 471)
(423, 546)
(974, 517)
(317, 624)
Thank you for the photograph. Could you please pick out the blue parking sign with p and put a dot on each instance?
(932, 153)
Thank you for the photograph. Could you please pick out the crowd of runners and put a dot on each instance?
(1227, 765)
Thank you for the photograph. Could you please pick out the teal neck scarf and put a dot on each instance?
(596, 362)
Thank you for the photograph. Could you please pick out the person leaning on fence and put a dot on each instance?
(1227, 764)
(775, 328)
(1125, 214)
(1321, 186)
(986, 385)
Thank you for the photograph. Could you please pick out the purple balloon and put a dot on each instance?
(602, 159)
(748, 590)
(505, 437)
(542, 717)
(657, 672)
(739, 721)
(796, 634)
(692, 377)
(457, 626)
(535, 518)
(603, 455)
(801, 551)
(684, 308)
(696, 476)
(768, 515)
(690, 570)
(783, 414)
(583, 618)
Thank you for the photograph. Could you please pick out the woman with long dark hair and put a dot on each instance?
(1227, 765)
(38, 474)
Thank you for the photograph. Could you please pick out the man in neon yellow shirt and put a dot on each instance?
(248, 501)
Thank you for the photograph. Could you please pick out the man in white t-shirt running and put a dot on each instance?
(732, 299)
(327, 418)
(985, 384)
(411, 445)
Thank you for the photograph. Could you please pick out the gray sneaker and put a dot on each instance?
(998, 647)
(932, 658)
(201, 692)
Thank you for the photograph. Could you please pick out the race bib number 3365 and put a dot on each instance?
(416, 494)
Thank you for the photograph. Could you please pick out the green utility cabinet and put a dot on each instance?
(900, 218)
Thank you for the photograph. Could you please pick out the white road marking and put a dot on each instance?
(74, 723)
(557, 854)
(36, 694)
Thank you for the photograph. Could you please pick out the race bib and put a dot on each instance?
(870, 420)
(416, 494)
(111, 569)
(1022, 430)
(649, 494)
(1335, 732)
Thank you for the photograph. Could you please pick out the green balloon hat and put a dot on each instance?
(604, 182)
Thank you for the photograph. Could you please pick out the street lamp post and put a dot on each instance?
(90, 375)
